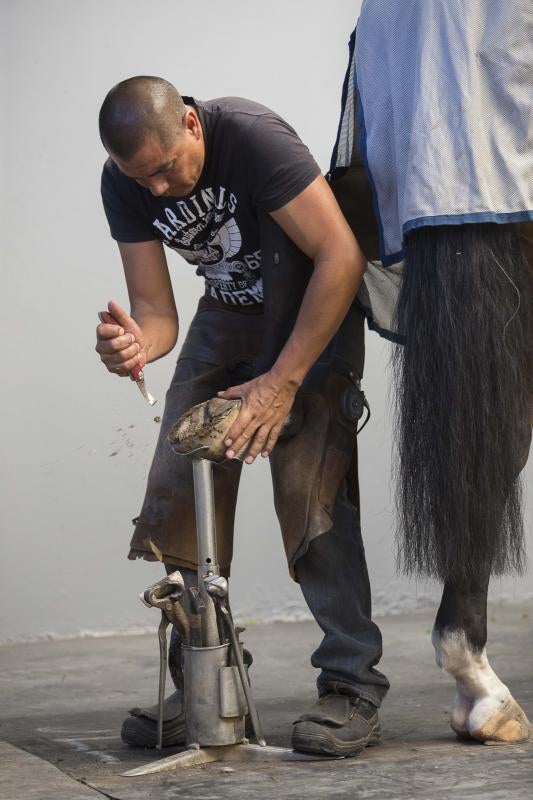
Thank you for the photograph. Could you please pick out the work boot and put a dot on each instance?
(337, 725)
(140, 728)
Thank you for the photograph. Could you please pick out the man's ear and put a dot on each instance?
(191, 123)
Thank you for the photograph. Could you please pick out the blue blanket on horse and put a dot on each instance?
(441, 90)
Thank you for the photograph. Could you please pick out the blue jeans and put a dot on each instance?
(334, 580)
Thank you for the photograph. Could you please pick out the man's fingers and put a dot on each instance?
(258, 443)
(106, 317)
(234, 436)
(119, 314)
(272, 439)
(233, 393)
(121, 366)
(109, 331)
(133, 362)
(116, 359)
(254, 431)
(264, 440)
(116, 344)
(120, 371)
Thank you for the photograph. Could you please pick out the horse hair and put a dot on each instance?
(463, 401)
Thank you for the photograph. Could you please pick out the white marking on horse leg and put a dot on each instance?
(483, 707)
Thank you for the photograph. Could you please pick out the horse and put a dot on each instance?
(429, 170)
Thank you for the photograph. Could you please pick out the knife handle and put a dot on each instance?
(136, 374)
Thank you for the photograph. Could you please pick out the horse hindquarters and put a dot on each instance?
(484, 708)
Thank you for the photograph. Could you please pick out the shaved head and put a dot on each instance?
(136, 109)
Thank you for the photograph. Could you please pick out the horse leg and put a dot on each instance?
(484, 708)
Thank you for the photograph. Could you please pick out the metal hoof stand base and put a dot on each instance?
(217, 693)
(196, 755)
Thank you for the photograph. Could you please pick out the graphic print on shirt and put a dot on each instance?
(204, 230)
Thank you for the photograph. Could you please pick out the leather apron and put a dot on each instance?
(316, 453)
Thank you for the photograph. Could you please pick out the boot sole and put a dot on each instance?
(328, 744)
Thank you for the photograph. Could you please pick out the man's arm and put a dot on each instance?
(315, 223)
(151, 330)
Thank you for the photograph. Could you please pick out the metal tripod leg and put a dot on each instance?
(242, 674)
(163, 650)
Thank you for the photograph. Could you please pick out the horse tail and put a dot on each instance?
(463, 395)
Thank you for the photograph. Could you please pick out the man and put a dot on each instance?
(207, 179)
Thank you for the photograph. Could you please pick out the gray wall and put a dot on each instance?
(76, 441)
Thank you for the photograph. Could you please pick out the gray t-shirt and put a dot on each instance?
(253, 160)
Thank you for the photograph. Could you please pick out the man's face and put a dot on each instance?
(168, 171)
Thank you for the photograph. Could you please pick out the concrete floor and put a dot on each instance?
(63, 703)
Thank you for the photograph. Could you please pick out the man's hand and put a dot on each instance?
(267, 402)
(120, 341)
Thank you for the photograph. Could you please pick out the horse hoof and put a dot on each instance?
(461, 733)
(507, 725)
(204, 427)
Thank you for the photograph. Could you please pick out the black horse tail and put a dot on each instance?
(463, 396)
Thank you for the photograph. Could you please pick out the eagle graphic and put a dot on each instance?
(213, 259)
